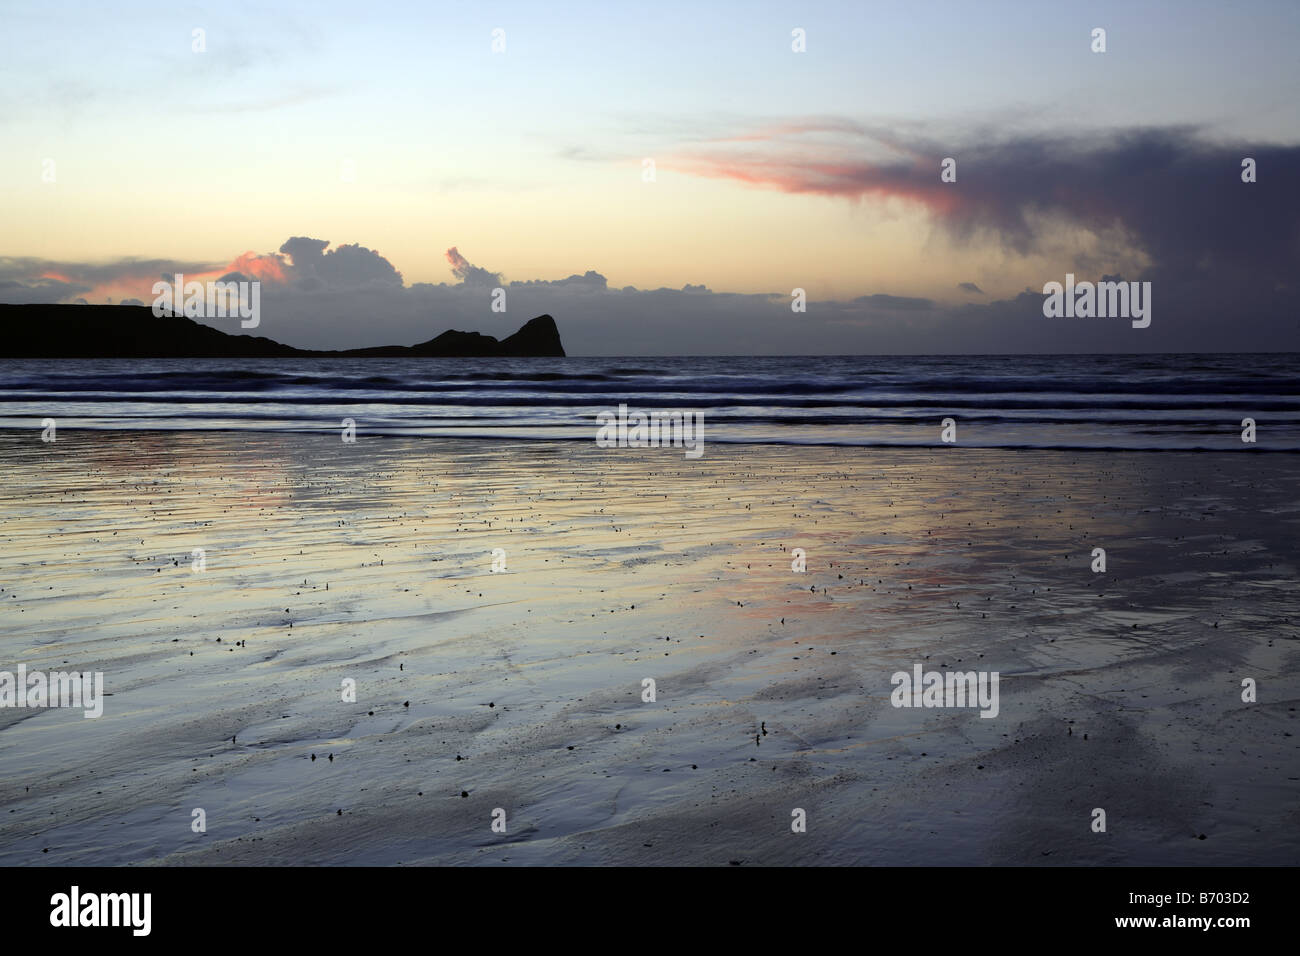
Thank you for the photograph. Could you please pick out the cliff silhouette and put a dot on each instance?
(133, 331)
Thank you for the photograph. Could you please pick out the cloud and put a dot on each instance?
(590, 281)
(21, 292)
(1176, 194)
(895, 303)
(471, 274)
(316, 296)
(29, 279)
(312, 265)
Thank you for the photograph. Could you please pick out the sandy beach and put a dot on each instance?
(521, 689)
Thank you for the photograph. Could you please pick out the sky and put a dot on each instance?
(382, 169)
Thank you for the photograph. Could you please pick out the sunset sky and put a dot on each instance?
(774, 169)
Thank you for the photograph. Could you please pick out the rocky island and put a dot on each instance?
(133, 331)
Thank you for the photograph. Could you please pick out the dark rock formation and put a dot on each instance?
(538, 337)
(132, 331)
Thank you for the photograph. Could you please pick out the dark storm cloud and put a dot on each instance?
(1178, 194)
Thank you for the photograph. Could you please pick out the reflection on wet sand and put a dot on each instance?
(372, 562)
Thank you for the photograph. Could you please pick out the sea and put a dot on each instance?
(1186, 402)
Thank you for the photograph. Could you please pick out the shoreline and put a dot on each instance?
(525, 687)
(33, 432)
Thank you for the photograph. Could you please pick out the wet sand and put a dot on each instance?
(522, 689)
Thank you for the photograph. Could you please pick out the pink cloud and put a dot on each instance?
(830, 176)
